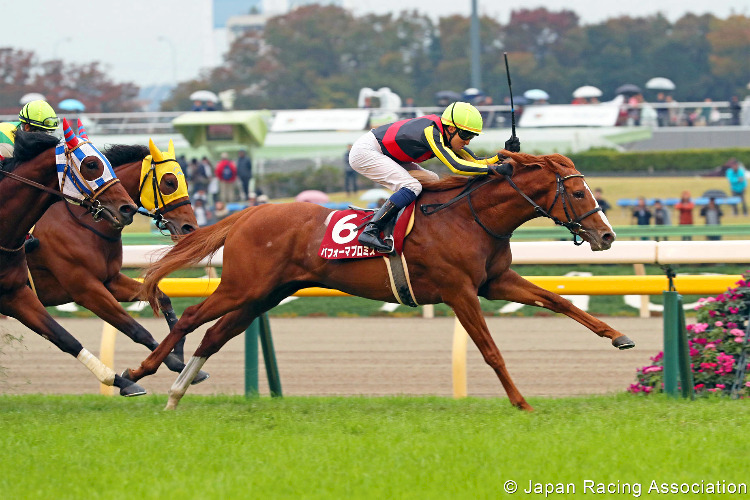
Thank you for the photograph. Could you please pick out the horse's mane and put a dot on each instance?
(29, 145)
(120, 154)
(556, 163)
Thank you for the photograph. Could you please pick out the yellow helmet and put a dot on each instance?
(39, 114)
(463, 116)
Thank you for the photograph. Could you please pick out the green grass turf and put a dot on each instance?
(396, 447)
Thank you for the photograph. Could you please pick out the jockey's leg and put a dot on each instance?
(367, 158)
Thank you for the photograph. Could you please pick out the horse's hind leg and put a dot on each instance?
(23, 305)
(469, 313)
(216, 305)
(228, 327)
(511, 286)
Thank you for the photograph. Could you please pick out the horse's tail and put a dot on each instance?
(190, 250)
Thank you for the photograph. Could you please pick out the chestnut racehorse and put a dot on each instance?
(80, 261)
(457, 253)
(28, 186)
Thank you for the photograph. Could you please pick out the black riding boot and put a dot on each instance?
(370, 237)
(31, 243)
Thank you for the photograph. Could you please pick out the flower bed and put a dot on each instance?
(715, 341)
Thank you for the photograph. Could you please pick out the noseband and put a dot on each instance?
(573, 224)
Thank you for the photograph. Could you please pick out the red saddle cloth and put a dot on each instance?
(340, 239)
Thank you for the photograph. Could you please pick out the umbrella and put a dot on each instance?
(71, 105)
(587, 92)
(33, 96)
(628, 88)
(473, 95)
(375, 195)
(445, 97)
(204, 95)
(312, 196)
(536, 94)
(660, 83)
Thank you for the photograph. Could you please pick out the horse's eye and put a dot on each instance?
(579, 194)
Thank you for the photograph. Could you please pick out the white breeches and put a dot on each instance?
(367, 158)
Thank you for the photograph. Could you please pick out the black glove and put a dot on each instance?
(513, 144)
(505, 169)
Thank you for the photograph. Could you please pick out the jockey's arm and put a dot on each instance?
(463, 165)
(468, 154)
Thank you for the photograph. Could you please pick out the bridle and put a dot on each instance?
(89, 201)
(573, 224)
(161, 206)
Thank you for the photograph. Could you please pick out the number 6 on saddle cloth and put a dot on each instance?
(340, 242)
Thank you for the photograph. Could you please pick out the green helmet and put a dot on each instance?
(464, 116)
(39, 114)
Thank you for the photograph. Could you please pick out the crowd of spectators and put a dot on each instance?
(216, 189)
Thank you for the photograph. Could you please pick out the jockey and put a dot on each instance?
(35, 116)
(390, 154)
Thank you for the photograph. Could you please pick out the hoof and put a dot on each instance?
(200, 377)
(126, 375)
(132, 390)
(623, 342)
(525, 407)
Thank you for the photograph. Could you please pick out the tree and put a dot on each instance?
(21, 72)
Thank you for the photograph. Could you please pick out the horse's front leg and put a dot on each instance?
(23, 305)
(511, 286)
(125, 289)
(469, 313)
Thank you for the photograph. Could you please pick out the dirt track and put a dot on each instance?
(348, 356)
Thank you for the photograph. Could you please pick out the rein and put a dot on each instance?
(93, 230)
(573, 224)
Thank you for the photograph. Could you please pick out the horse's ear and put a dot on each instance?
(70, 138)
(82, 131)
(156, 155)
(170, 151)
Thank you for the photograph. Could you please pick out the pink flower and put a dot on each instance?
(731, 324)
(737, 332)
(719, 323)
(694, 351)
(701, 341)
(647, 389)
(720, 386)
(700, 327)
(711, 346)
(712, 313)
(747, 384)
(734, 310)
(698, 387)
(652, 369)
(739, 339)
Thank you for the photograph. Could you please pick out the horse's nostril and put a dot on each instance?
(608, 237)
(127, 211)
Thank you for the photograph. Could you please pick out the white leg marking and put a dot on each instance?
(102, 372)
(183, 381)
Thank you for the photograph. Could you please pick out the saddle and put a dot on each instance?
(340, 242)
(343, 227)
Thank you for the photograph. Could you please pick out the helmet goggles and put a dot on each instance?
(50, 123)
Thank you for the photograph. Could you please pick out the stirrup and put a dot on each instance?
(370, 240)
